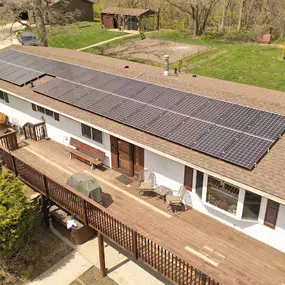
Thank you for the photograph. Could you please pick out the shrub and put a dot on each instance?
(16, 219)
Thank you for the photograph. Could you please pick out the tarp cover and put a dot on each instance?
(86, 185)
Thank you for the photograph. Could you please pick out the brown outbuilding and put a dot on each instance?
(130, 19)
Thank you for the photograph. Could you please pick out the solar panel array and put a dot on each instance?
(227, 131)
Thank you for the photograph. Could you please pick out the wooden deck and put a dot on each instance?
(223, 253)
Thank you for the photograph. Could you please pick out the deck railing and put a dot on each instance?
(35, 132)
(99, 218)
(9, 140)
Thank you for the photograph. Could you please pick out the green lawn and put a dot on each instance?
(79, 35)
(259, 65)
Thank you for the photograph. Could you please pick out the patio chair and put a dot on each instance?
(176, 201)
(146, 183)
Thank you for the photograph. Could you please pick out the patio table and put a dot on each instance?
(162, 191)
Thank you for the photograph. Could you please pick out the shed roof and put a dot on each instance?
(267, 177)
(127, 11)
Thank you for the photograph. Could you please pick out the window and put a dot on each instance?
(96, 135)
(222, 195)
(199, 183)
(56, 116)
(4, 96)
(41, 109)
(34, 107)
(271, 214)
(251, 206)
(91, 133)
(49, 112)
(86, 131)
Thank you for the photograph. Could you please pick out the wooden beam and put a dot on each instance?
(101, 254)
(45, 210)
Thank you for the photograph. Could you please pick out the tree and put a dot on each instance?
(41, 13)
(198, 10)
(16, 220)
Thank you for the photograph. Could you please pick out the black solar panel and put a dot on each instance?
(17, 75)
(189, 132)
(165, 124)
(234, 133)
(216, 140)
(247, 151)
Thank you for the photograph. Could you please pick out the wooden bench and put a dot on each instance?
(86, 153)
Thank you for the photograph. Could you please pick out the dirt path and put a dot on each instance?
(105, 42)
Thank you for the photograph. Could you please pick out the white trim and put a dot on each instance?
(194, 166)
(240, 203)
(262, 210)
(194, 180)
(204, 188)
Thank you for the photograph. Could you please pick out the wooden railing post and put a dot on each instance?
(135, 244)
(85, 213)
(101, 254)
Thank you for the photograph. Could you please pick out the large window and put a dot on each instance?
(251, 206)
(91, 133)
(222, 195)
(45, 111)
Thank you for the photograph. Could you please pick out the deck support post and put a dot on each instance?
(101, 254)
(45, 210)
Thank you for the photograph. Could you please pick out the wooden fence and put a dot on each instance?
(35, 132)
(96, 216)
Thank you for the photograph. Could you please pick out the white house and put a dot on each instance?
(250, 200)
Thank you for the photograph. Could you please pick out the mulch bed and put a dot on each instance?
(42, 251)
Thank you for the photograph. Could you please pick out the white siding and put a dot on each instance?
(168, 172)
(20, 112)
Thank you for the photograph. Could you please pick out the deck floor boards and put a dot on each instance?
(240, 258)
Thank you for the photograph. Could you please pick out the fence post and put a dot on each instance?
(135, 244)
(13, 164)
(101, 254)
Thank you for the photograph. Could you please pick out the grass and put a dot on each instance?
(79, 35)
(253, 64)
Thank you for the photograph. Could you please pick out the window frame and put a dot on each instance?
(34, 107)
(4, 96)
(99, 133)
(50, 113)
(83, 133)
(39, 109)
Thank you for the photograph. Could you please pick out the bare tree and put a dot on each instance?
(198, 10)
(41, 13)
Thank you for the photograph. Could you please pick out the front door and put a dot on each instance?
(122, 156)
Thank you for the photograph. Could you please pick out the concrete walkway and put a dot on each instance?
(105, 42)
(120, 268)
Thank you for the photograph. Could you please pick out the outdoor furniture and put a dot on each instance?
(146, 183)
(176, 201)
(162, 191)
(86, 153)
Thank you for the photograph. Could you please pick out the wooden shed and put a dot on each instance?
(130, 19)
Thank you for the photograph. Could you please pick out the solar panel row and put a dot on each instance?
(17, 75)
(238, 134)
